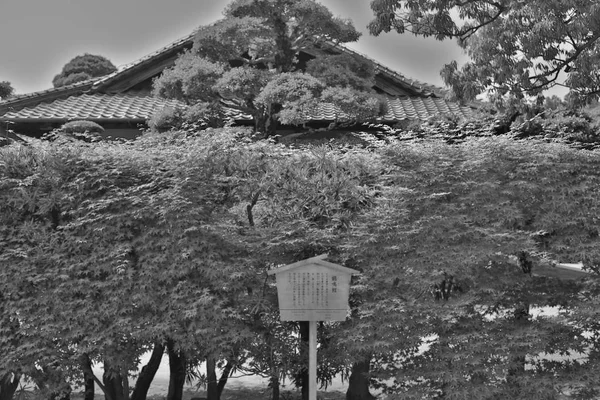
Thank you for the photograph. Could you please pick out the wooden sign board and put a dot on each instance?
(313, 290)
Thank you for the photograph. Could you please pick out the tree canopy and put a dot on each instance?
(108, 250)
(250, 56)
(515, 47)
(82, 68)
(6, 90)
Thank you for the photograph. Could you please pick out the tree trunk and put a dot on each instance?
(88, 378)
(177, 371)
(358, 388)
(113, 383)
(224, 377)
(8, 385)
(266, 123)
(304, 332)
(274, 383)
(140, 391)
(212, 391)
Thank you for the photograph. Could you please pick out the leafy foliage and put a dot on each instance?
(82, 127)
(107, 249)
(515, 47)
(82, 68)
(248, 57)
(6, 90)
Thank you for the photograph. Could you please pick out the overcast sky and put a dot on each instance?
(37, 37)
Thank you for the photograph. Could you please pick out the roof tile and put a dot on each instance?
(121, 107)
(94, 107)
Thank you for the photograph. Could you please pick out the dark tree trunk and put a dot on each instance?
(212, 390)
(267, 123)
(8, 386)
(274, 383)
(224, 377)
(358, 388)
(113, 383)
(144, 380)
(304, 332)
(177, 371)
(88, 378)
(516, 368)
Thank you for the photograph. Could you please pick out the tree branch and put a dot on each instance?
(250, 206)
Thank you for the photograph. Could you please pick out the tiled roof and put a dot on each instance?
(422, 108)
(402, 108)
(53, 93)
(88, 99)
(93, 107)
(127, 107)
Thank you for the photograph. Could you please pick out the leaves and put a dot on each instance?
(82, 68)
(515, 47)
(254, 59)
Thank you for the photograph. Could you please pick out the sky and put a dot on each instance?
(38, 37)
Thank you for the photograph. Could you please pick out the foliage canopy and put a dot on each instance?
(82, 68)
(262, 46)
(108, 249)
(6, 90)
(515, 47)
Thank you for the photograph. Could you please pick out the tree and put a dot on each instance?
(6, 90)
(82, 68)
(125, 327)
(110, 250)
(251, 59)
(519, 48)
(457, 242)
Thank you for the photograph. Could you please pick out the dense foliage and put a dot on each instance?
(82, 68)
(515, 47)
(6, 90)
(252, 61)
(110, 250)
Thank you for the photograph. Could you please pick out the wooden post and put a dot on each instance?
(313, 290)
(312, 360)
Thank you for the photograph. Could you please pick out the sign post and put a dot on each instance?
(313, 290)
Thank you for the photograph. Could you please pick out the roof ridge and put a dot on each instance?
(126, 67)
(24, 96)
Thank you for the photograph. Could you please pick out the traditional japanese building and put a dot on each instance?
(121, 102)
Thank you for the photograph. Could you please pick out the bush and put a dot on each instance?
(89, 65)
(573, 128)
(166, 119)
(81, 127)
(86, 131)
(206, 115)
(74, 78)
(193, 119)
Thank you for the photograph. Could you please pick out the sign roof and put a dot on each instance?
(317, 260)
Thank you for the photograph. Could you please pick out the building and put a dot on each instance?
(121, 102)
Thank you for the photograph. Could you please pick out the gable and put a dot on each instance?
(407, 99)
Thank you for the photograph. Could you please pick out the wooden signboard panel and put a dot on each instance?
(313, 293)
(313, 290)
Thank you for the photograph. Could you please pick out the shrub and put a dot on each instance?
(88, 64)
(165, 119)
(206, 115)
(81, 127)
(71, 79)
(86, 131)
